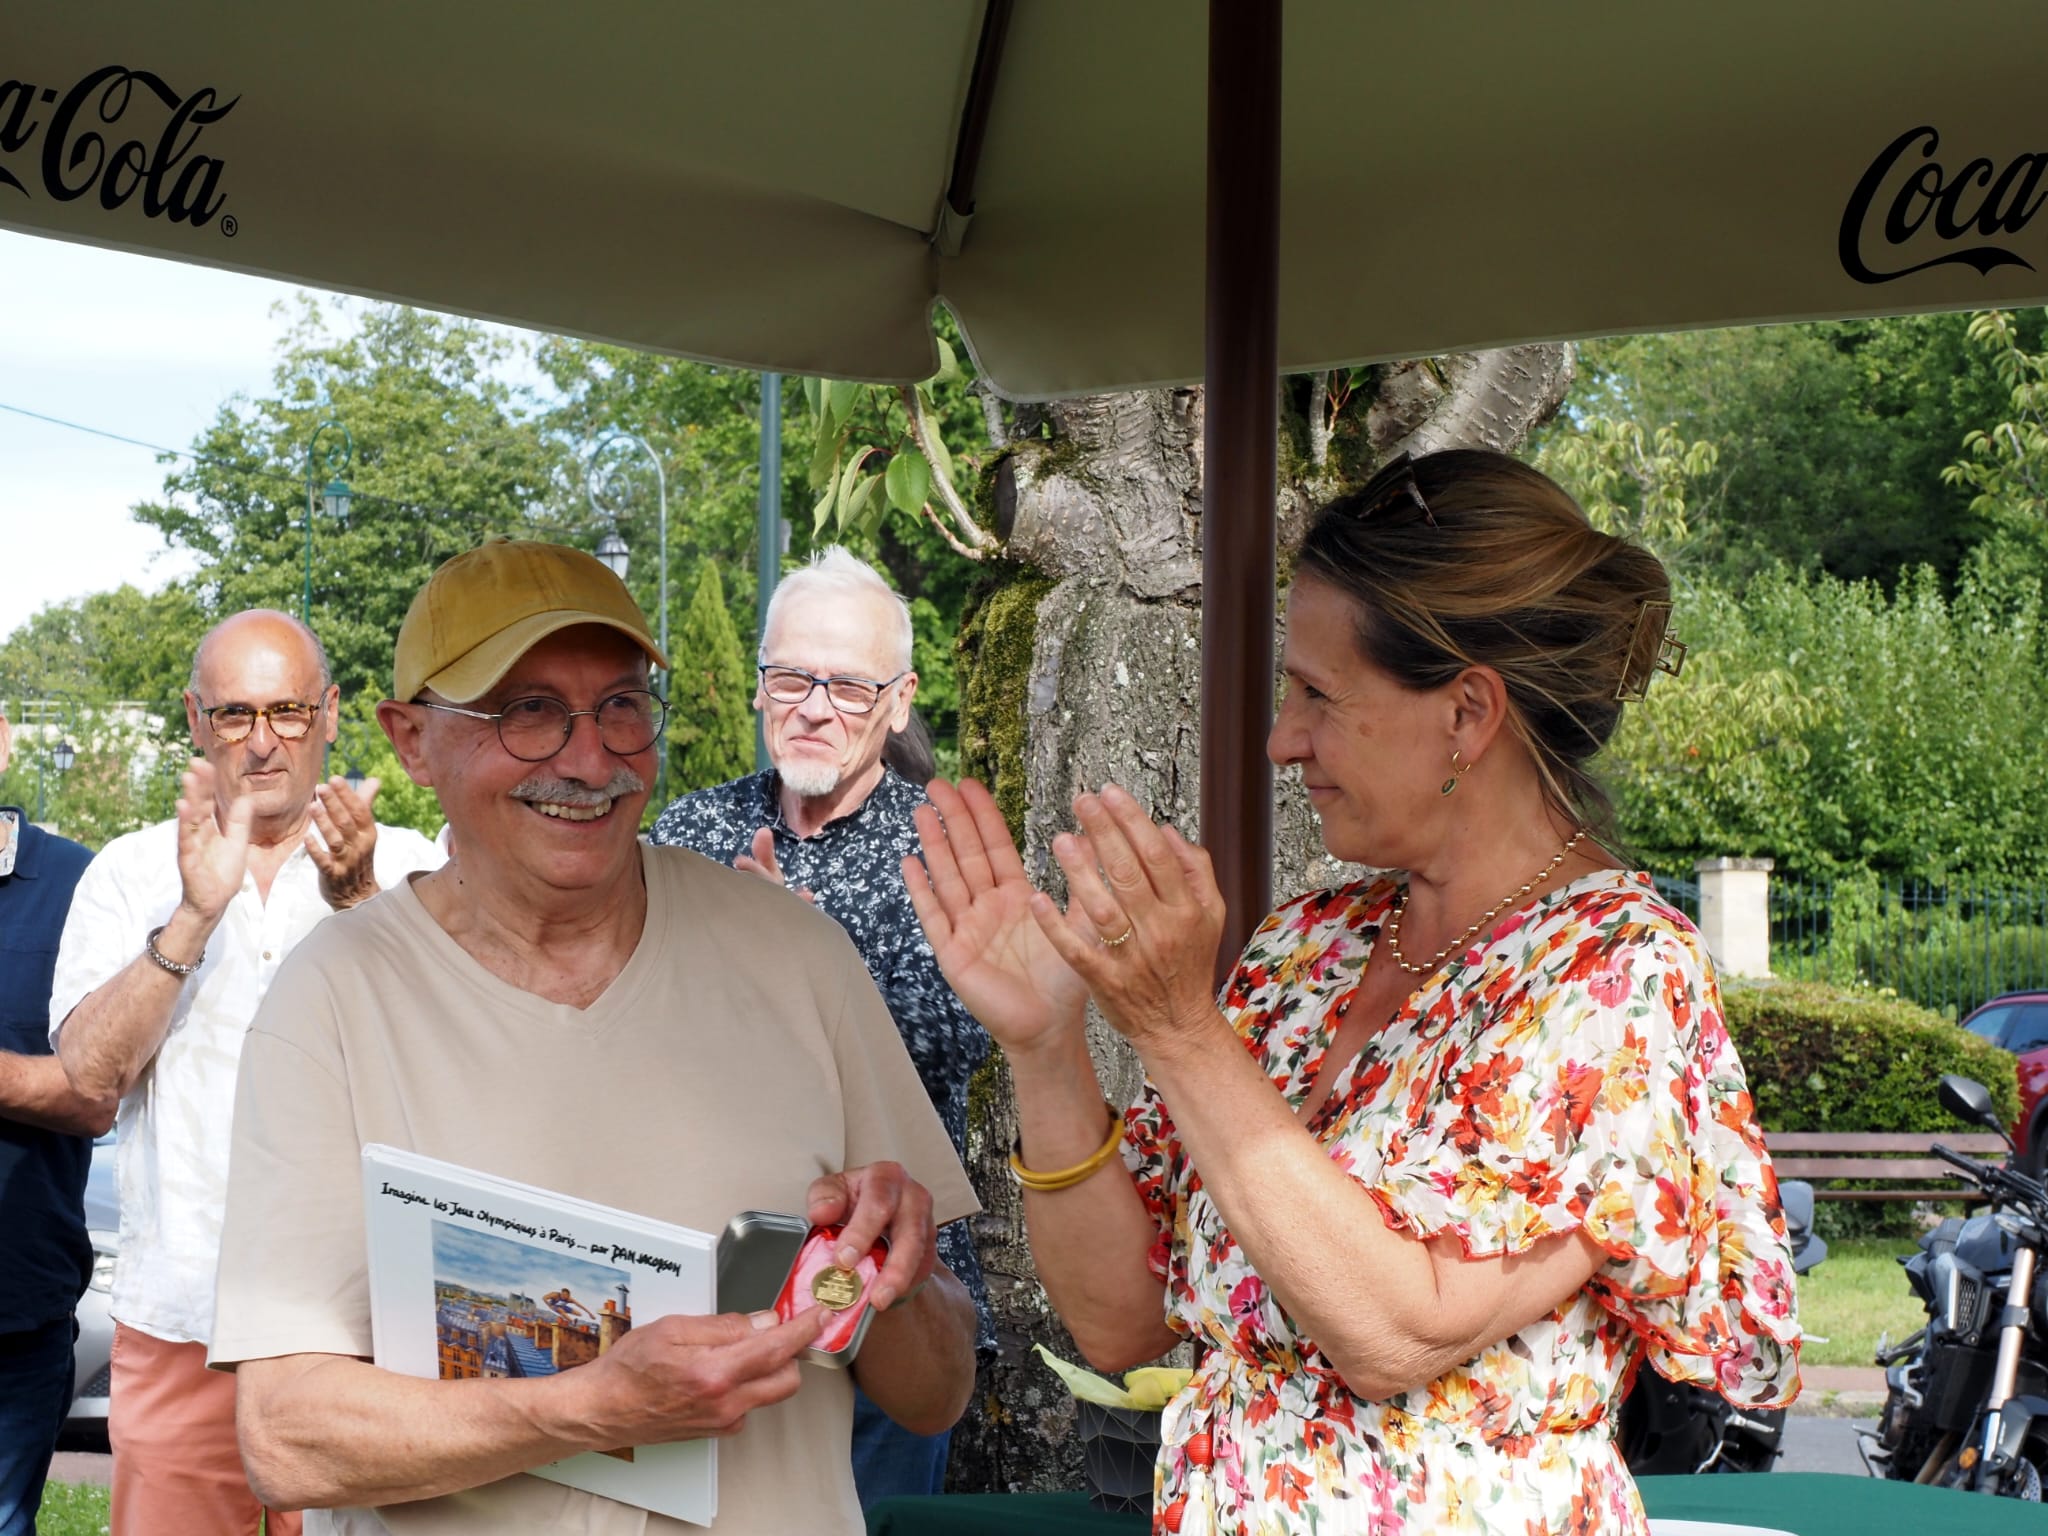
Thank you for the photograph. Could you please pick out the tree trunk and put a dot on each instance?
(1082, 666)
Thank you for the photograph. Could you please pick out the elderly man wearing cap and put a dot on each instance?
(174, 935)
(565, 1006)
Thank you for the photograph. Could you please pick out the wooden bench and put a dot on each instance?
(1889, 1155)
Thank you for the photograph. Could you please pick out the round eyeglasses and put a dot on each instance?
(534, 730)
(288, 721)
(849, 695)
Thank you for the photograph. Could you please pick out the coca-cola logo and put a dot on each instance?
(1910, 202)
(121, 134)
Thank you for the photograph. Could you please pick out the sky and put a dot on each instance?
(498, 1266)
(133, 345)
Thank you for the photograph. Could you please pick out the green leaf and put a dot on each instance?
(910, 480)
(850, 514)
(823, 509)
(843, 492)
(843, 396)
(825, 452)
(949, 365)
(941, 455)
(813, 393)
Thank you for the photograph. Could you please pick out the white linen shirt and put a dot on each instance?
(172, 1160)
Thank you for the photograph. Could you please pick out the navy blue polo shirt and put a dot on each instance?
(45, 1258)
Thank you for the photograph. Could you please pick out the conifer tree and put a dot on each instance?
(710, 693)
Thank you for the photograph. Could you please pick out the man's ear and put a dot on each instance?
(330, 707)
(192, 721)
(405, 724)
(906, 695)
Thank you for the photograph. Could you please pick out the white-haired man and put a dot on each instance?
(832, 820)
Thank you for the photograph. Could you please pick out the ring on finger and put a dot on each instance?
(1119, 939)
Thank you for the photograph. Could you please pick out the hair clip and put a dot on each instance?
(1644, 658)
(1395, 480)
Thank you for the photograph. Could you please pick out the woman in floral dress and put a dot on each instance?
(1456, 1150)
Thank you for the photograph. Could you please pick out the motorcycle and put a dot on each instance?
(1966, 1396)
(1672, 1427)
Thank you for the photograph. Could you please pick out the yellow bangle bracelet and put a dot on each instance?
(1067, 1178)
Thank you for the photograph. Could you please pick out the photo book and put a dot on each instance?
(477, 1276)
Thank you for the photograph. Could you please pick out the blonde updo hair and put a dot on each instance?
(1471, 558)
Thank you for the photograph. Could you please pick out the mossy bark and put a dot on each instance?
(1080, 664)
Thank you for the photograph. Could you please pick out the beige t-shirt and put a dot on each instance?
(742, 1052)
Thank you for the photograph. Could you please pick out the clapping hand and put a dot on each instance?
(762, 862)
(212, 857)
(975, 902)
(346, 846)
(1143, 921)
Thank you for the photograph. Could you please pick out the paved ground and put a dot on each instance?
(1816, 1444)
(81, 1467)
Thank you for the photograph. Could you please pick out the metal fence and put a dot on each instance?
(1682, 891)
(1946, 947)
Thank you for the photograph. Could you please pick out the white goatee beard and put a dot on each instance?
(812, 781)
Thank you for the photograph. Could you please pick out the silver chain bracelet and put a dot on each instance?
(149, 948)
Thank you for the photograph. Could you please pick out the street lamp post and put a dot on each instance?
(769, 531)
(612, 547)
(335, 460)
(63, 754)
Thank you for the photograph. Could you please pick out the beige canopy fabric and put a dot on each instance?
(762, 184)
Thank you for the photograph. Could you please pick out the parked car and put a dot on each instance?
(2018, 1022)
(87, 1421)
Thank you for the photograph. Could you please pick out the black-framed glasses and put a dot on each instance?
(1393, 489)
(849, 695)
(289, 721)
(534, 730)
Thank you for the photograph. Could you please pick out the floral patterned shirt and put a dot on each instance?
(852, 868)
(1572, 1074)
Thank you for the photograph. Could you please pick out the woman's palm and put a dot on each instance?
(1003, 967)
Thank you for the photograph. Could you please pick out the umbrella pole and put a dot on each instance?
(1240, 431)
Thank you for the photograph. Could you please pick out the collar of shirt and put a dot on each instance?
(889, 790)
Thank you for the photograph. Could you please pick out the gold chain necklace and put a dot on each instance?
(1401, 906)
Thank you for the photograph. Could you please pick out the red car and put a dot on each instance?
(2018, 1022)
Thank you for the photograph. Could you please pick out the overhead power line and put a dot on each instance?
(261, 472)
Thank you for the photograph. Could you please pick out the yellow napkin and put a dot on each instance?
(1145, 1389)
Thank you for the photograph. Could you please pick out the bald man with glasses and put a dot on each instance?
(172, 940)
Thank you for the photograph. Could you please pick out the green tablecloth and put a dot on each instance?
(1807, 1503)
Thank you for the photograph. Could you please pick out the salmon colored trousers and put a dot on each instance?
(171, 1425)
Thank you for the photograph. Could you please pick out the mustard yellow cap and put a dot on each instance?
(487, 607)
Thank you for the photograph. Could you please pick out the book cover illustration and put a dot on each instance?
(473, 1276)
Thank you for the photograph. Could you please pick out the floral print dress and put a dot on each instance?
(1573, 1073)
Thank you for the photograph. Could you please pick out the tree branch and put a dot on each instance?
(991, 414)
(921, 434)
(950, 537)
(1319, 420)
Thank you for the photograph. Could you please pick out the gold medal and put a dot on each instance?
(835, 1288)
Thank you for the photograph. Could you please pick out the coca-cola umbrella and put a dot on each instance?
(795, 185)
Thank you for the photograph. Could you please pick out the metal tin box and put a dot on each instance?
(756, 1252)
(768, 1260)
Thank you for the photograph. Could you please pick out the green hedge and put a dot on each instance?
(1823, 1059)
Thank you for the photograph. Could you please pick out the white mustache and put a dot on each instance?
(552, 791)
